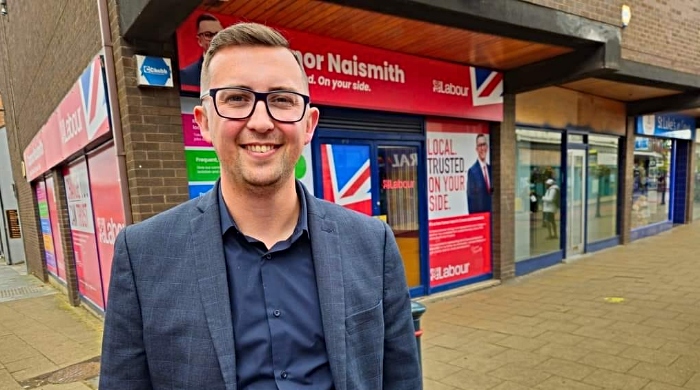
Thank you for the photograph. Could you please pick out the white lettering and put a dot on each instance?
(353, 67)
(70, 126)
(439, 273)
(152, 70)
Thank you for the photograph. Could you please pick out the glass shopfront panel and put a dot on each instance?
(537, 219)
(696, 178)
(651, 183)
(602, 187)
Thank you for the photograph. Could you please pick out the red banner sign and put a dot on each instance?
(79, 119)
(351, 75)
(107, 206)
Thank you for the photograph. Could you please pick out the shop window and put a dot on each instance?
(696, 177)
(602, 187)
(538, 159)
(651, 181)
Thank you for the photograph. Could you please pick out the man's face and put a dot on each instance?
(257, 152)
(206, 31)
(482, 148)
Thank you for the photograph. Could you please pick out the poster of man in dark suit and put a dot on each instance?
(479, 186)
(207, 26)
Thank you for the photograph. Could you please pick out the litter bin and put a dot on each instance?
(417, 310)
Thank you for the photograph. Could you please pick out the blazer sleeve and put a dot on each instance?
(401, 364)
(472, 191)
(124, 364)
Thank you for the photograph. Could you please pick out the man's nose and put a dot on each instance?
(260, 119)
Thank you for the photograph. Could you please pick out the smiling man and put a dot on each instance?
(258, 284)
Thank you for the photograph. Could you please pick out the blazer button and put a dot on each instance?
(277, 313)
(284, 375)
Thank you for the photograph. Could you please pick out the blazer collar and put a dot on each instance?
(328, 264)
(208, 252)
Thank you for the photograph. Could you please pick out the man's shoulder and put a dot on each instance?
(172, 219)
(346, 219)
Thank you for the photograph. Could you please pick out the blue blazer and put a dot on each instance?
(191, 74)
(168, 322)
(478, 195)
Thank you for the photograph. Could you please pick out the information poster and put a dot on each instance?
(82, 228)
(55, 229)
(203, 167)
(105, 187)
(49, 253)
(459, 200)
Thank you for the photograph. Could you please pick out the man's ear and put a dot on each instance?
(200, 116)
(311, 123)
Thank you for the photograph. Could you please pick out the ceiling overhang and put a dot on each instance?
(494, 34)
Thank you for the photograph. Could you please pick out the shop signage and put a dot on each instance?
(346, 74)
(459, 200)
(667, 125)
(203, 167)
(154, 71)
(81, 117)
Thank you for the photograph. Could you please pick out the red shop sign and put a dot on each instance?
(351, 75)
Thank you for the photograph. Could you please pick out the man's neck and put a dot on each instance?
(267, 215)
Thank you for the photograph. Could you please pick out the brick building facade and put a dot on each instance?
(540, 46)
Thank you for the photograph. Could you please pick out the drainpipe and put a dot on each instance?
(114, 106)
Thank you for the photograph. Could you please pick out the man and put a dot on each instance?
(207, 27)
(479, 187)
(258, 284)
(550, 205)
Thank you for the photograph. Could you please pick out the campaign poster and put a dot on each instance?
(346, 74)
(87, 261)
(203, 168)
(106, 190)
(45, 221)
(459, 200)
(55, 229)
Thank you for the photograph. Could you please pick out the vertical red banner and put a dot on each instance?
(87, 262)
(55, 229)
(105, 186)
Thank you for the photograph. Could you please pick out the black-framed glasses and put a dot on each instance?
(239, 103)
(207, 34)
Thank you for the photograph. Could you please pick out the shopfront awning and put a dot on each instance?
(534, 46)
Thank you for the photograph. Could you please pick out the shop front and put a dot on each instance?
(402, 138)
(696, 177)
(661, 166)
(75, 146)
(567, 176)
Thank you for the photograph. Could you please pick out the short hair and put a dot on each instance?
(246, 34)
(204, 18)
(480, 135)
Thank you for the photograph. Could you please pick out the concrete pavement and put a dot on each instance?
(44, 342)
(625, 318)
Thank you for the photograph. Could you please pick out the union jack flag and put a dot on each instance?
(94, 99)
(347, 176)
(487, 87)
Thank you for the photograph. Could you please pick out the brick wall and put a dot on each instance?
(662, 33)
(503, 217)
(46, 44)
(152, 130)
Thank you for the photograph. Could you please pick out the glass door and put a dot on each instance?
(379, 179)
(575, 201)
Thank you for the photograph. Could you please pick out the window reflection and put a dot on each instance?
(650, 186)
(602, 187)
(538, 157)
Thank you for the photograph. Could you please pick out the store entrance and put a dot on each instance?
(380, 178)
(575, 201)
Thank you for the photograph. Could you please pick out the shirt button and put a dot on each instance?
(277, 313)
(284, 375)
(268, 257)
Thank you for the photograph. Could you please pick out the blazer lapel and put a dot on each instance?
(208, 252)
(325, 249)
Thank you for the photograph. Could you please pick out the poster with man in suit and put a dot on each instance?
(479, 188)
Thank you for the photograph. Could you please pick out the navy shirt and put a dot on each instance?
(276, 312)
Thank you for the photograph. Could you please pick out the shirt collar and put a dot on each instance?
(227, 221)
